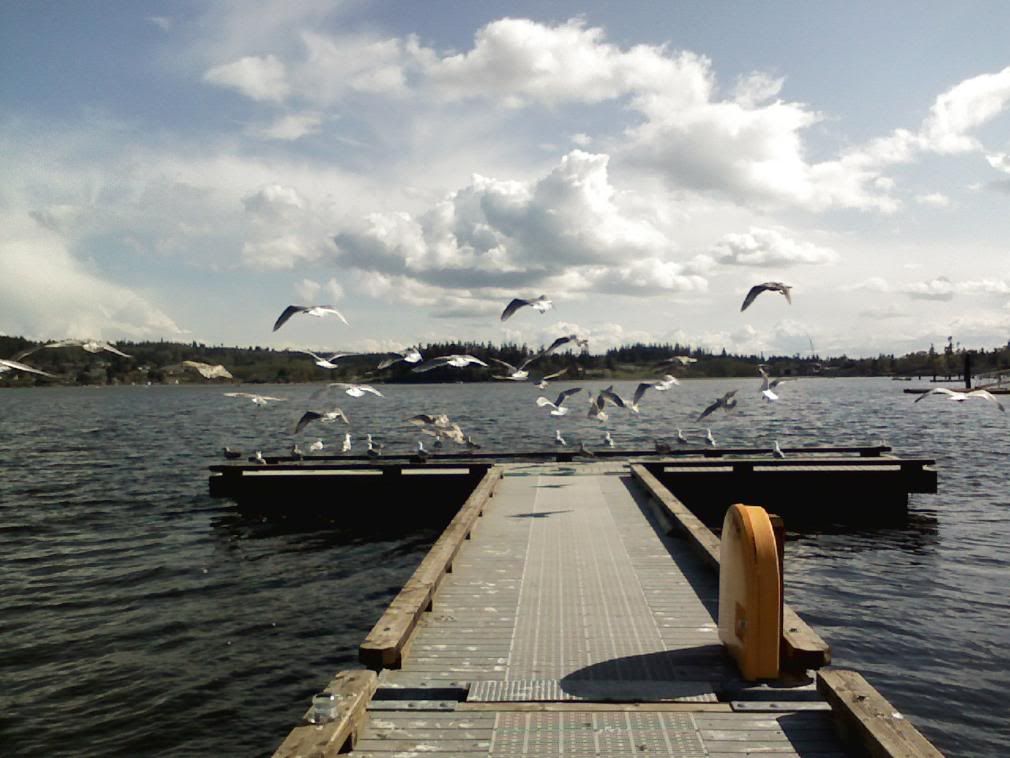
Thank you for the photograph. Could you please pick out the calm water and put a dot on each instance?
(140, 616)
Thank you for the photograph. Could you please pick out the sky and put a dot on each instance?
(185, 170)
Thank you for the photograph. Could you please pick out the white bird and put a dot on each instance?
(609, 395)
(757, 289)
(316, 446)
(541, 304)
(777, 451)
(326, 417)
(596, 408)
(260, 400)
(709, 438)
(962, 396)
(374, 448)
(558, 439)
(557, 407)
(768, 384)
(421, 452)
(230, 454)
(423, 419)
(726, 402)
(257, 457)
(208, 371)
(346, 446)
(91, 346)
(456, 361)
(545, 380)
(470, 444)
(683, 360)
(516, 373)
(608, 440)
(681, 439)
(438, 440)
(12, 365)
(330, 362)
(660, 385)
(560, 341)
(410, 355)
(309, 310)
(296, 451)
(356, 390)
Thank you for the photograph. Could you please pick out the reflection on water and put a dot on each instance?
(121, 572)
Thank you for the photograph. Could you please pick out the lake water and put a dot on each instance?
(140, 616)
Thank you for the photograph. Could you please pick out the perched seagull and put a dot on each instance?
(583, 450)
(608, 440)
(309, 310)
(438, 440)
(327, 417)
(557, 407)
(257, 399)
(207, 371)
(757, 289)
(962, 396)
(726, 402)
(596, 408)
(516, 374)
(257, 457)
(356, 390)
(681, 439)
(328, 362)
(346, 446)
(410, 355)
(421, 452)
(316, 446)
(564, 341)
(545, 380)
(777, 451)
(296, 451)
(558, 439)
(456, 361)
(470, 444)
(230, 454)
(91, 346)
(541, 304)
(709, 438)
(768, 384)
(11, 365)
(374, 448)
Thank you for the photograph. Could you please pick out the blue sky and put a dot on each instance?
(186, 170)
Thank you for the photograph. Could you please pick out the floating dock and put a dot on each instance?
(572, 608)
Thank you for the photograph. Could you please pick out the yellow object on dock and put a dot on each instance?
(750, 594)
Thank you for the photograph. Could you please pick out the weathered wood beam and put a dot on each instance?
(352, 690)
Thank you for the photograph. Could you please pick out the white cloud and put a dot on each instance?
(261, 78)
(291, 127)
(934, 199)
(937, 288)
(999, 161)
(46, 293)
(963, 108)
(769, 247)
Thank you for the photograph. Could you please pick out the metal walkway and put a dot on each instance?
(570, 625)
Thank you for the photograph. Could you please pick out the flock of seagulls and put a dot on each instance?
(439, 426)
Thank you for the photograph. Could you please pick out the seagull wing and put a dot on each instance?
(542, 401)
(509, 366)
(558, 343)
(642, 388)
(18, 366)
(331, 309)
(512, 307)
(431, 363)
(936, 391)
(756, 290)
(556, 374)
(113, 349)
(370, 388)
(565, 394)
(711, 409)
(307, 418)
(986, 395)
(613, 397)
(288, 312)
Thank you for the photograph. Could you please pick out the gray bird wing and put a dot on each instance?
(288, 312)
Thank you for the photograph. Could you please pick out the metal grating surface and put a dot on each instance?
(550, 690)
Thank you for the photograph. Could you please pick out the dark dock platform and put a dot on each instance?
(571, 608)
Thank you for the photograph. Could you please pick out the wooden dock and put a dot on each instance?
(570, 608)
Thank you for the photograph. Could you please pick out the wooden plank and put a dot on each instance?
(584, 707)
(804, 648)
(352, 689)
(869, 718)
(384, 645)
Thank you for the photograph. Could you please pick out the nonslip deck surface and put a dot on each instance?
(569, 626)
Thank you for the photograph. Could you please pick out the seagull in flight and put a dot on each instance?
(768, 384)
(356, 390)
(456, 361)
(12, 365)
(260, 400)
(682, 360)
(597, 407)
(410, 355)
(541, 304)
(660, 385)
(91, 346)
(962, 396)
(207, 371)
(329, 362)
(545, 380)
(316, 446)
(327, 417)
(581, 342)
(309, 310)
(726, 402)
(757, 289)
(557, 407)
(516, 374)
